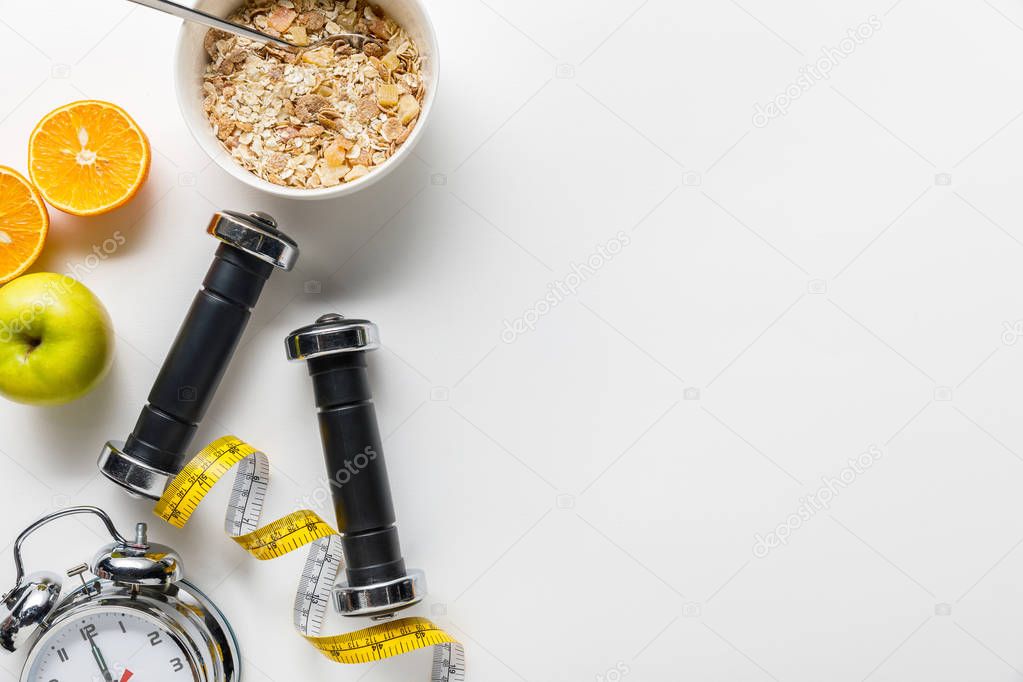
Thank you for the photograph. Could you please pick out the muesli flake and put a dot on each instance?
(320, 117)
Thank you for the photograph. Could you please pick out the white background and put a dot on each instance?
(586, 498)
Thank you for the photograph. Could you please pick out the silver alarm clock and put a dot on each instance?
(138, 618)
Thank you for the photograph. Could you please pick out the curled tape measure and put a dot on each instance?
(298, 529)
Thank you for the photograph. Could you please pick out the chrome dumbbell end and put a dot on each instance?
(134, 476)
(256, 234)
(375, 580)
(380, 599)
(251, 248)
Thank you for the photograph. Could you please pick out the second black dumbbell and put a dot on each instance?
(376, 582)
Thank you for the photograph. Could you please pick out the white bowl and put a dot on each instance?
(190, 64)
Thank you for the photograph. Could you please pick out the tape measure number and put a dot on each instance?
(323, 563)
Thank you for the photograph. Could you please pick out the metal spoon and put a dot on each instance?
(200, 17)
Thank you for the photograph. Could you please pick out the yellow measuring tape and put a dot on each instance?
(299, 529)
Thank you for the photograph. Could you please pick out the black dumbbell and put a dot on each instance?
(376, 582)
(251, 248)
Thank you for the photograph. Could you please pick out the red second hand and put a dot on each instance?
(126, 676)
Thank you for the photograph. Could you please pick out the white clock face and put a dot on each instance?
(115, 645)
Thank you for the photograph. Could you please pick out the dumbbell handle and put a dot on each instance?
(376, 581)
(158, 446)
(198, 360)
(354, 456)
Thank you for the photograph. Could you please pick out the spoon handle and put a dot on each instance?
(200, 17)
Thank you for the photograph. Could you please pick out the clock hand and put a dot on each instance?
(100, 661)
(126, 676)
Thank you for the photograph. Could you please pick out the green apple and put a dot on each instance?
(56, 340)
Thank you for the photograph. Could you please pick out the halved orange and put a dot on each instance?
(88, 157)
(24, 223)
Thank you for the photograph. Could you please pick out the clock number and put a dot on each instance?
(154, 638)
(62, 655)
(123, 629)
(176, 662)
(88, 632)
